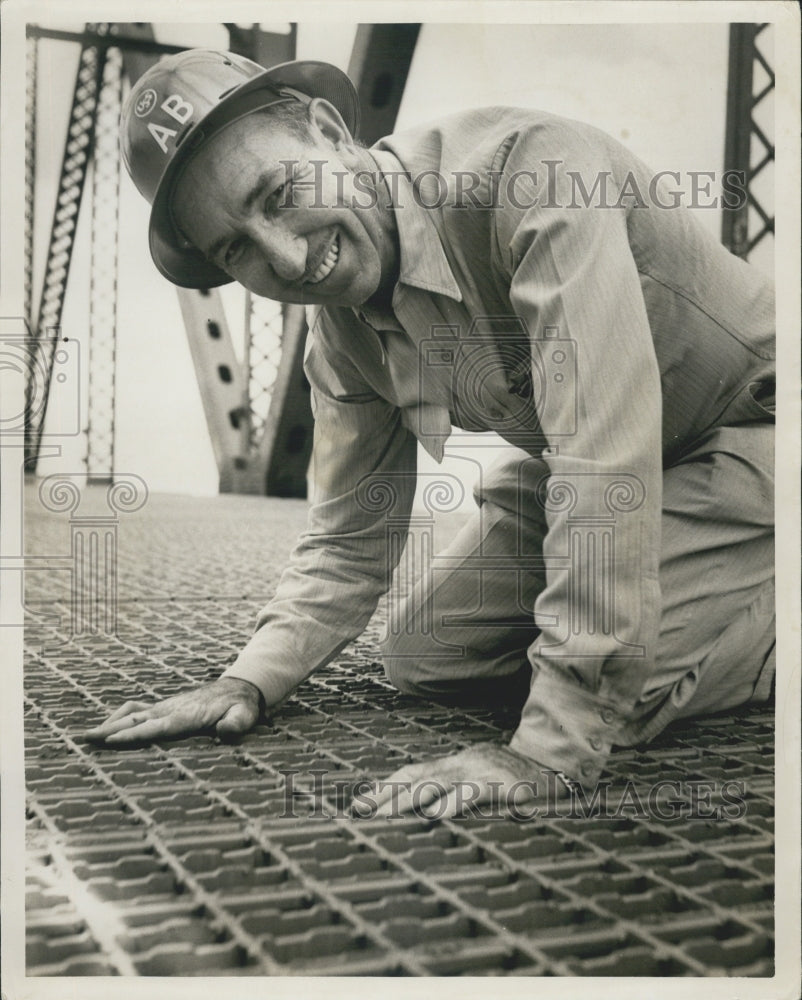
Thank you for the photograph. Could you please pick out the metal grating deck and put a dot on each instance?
(177, 859)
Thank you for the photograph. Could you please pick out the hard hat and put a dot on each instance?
(184, 100)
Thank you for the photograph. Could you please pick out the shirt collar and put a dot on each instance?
(423, 261)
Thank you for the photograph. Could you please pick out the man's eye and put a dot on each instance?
(280, 196)
(232, 253)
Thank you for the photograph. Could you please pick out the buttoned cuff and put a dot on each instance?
(566, 728)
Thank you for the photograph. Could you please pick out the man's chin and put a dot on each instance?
(342, 293)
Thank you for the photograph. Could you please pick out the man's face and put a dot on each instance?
(285, 227)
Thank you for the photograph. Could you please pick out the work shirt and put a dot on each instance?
(601, 331)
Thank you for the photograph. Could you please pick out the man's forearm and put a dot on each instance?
(324, 600)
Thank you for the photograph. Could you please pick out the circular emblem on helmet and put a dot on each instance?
(145, 103)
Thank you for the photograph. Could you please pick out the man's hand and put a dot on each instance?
(229, 704)
(447, 786)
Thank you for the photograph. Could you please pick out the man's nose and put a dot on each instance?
(285, 251)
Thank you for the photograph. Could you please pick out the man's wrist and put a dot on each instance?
(247, 687)
(535, 769)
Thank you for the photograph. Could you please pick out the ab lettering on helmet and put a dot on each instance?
(178, 109)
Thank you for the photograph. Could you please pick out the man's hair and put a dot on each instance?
(292, 115)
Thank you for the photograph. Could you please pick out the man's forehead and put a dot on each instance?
(232, 157)
(228, 161)
(248, 138)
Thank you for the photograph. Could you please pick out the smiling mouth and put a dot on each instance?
(327, 265)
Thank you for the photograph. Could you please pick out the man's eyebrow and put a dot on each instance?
(264, 179)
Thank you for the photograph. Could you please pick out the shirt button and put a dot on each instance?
(607, 715)
(595, 743)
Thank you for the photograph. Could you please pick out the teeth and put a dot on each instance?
(327, 266)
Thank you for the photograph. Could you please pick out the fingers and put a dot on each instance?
(412, 798)
(462, 798)
(123, 710)
(127, 708)
(461, 784)
(230, 706)
(410, 789)
(137, 727)
(143, 731)
(390, 788)
(121, 719)
(442, 798)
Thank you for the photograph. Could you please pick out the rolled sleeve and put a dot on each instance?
(363, 467)
(573, 278)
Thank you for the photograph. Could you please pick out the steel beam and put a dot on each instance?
(125, 37)
(268, 48)
(379, 67)
(220, 382)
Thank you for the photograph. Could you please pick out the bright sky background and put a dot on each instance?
(659, 89)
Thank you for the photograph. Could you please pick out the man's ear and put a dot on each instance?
(327, 120)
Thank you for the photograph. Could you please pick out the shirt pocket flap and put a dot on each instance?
(755, 401)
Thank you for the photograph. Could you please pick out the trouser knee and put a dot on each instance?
(399, 660)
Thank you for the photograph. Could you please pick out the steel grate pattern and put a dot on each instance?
(179, 858)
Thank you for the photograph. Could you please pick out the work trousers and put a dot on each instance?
(465, 630)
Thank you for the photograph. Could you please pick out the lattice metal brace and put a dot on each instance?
(264, 323)
(103, 280)
(77, 151)
(32, 69)
(744, 134)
